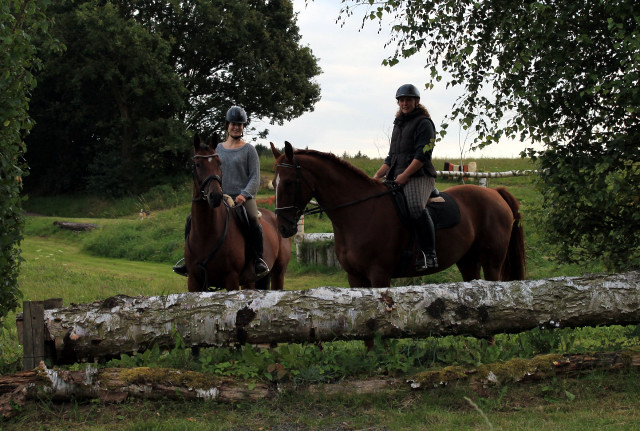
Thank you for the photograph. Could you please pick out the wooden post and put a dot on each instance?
(32, 334)
(33, 331)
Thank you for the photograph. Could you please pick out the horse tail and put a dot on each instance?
(515, 266)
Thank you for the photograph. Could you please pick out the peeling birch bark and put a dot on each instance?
(479, 308)
(114, 385)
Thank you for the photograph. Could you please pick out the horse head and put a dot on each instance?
(207, 171)
(293, 192)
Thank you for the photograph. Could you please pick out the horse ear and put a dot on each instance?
(213, 141)
(288, 150)
(196, 141)
(275, 151)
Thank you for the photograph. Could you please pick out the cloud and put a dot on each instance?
(358, 105)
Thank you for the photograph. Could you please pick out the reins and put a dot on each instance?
(392, 187)
(203, 265)
(320, 210)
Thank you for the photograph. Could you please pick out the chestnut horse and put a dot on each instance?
(370, 236)
(215, 245)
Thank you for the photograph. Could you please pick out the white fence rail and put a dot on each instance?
(458, 174)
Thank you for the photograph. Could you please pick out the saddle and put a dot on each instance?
(240, 213)
(444, 212)
(443, 209)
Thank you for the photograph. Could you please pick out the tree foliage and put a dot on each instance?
(565, 74)
(105, 109)
(114, 112)
(21, 21)
(228, 51)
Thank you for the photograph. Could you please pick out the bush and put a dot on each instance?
(22, 21)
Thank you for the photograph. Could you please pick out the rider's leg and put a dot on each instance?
(417, 192)
(426, 235)
(255, 238)
(181, 267)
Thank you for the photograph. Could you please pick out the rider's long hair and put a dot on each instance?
(420, 107)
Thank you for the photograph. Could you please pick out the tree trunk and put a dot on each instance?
(479, 308)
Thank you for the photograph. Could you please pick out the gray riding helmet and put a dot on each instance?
(407, 90)
(236, 114)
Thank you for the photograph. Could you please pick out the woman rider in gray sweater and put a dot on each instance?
(241, 180)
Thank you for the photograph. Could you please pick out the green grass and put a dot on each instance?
(127, 255)
(598, 401)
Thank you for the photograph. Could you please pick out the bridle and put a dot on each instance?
(203, 196)
(392, 187)
(206, 181)
(297, 194)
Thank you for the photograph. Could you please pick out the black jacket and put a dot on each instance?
(411, 133)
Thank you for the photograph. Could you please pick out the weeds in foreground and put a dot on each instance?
(329, 362)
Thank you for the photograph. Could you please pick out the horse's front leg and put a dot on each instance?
(379, 276)
(194, 285)
(356, 280)
(231, 282)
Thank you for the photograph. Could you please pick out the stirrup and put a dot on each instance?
(261, 268)
(426, 262)
(180, 268)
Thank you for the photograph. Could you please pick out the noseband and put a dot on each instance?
(206, 181)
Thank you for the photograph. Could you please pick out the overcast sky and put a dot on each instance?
(358, 94)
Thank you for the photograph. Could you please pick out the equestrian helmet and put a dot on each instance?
(407, 90)
(236, 114)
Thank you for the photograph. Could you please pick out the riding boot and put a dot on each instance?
(426, 234)
(180, 267)
(257, 247)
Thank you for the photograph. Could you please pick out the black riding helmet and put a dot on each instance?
(407, 90)
(236, 114)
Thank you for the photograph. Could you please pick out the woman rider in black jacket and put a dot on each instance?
(409, 164)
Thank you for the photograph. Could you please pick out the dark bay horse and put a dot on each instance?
(215, 246)
(369, 235)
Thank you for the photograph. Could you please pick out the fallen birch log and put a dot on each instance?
(114, 385)
(523, 369)
(480, 308)
(75, 226)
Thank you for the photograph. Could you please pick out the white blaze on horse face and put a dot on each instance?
(276, 187)
(210, 159)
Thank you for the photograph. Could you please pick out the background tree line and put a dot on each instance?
(114, 110)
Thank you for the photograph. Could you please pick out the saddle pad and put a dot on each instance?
(444, 213)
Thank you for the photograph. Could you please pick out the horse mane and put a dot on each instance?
(332, 158)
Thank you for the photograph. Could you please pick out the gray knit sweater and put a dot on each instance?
(240, 170)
